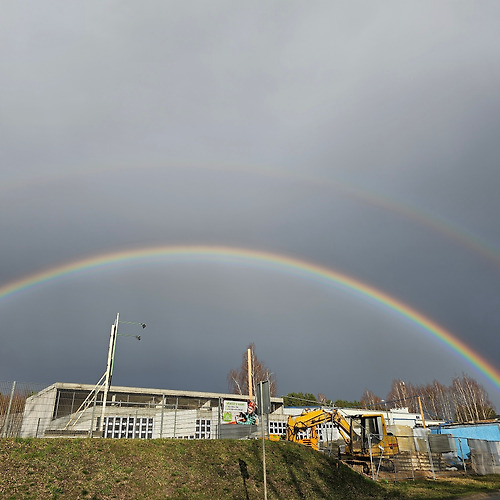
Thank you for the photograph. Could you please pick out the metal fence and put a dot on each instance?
(13, 396)
(29, 410)
(421, 455)
(426, 455)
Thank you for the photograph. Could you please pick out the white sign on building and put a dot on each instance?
(232, 410)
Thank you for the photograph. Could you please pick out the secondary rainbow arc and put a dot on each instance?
(421, 217)
(277, 262)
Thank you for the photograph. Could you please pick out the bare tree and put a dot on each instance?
(465, 400)
(321, 398)
(238, 379)
(403, 395)
(470, 400)
(436, 400)
(371, 401)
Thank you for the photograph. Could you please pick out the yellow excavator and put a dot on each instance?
(365, 435)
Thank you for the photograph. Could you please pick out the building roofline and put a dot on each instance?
(153, 391)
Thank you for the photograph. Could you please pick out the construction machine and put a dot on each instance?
(365, 435)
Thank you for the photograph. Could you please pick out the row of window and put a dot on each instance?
(203, 428)
(325, 431)
(128, 427)
(142, 428)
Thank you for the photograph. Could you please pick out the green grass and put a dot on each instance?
(157, 469)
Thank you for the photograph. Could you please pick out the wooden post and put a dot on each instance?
(250, 390)
(421, 411)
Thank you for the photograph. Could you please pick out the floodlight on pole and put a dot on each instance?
(138, 337)
(134, 323)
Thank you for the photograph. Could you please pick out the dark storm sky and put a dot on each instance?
(359, 136)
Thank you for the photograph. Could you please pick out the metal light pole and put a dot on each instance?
(264, 402)
(111, 360)
(109, 367)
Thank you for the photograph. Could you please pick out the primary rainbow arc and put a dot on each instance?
(277, 262)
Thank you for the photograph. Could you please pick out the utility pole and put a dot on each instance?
(250, 381)
(421, 411)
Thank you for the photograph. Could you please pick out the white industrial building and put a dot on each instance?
(65, 409)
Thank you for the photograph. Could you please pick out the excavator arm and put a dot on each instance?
(309, 420)
(356, 436)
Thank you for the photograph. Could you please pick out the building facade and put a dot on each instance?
(65, 409)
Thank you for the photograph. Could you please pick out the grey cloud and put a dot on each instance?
(223, 124)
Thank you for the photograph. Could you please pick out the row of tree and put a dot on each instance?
(464, 400)
(309, 399)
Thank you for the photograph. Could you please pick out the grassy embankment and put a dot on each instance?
(133, 469)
